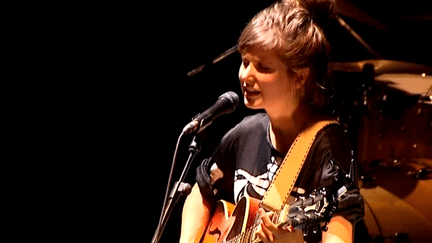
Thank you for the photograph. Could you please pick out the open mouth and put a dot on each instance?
(249, 93)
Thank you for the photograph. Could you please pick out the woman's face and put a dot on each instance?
(266, 82)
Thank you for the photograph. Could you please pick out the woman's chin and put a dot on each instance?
(254, 104)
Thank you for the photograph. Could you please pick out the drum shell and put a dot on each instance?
(395, 126)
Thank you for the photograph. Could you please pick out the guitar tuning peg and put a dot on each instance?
(324, 228)
(314, 193)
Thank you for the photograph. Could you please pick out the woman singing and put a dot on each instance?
(284, 61)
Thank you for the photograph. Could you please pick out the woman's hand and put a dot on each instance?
(269, 232)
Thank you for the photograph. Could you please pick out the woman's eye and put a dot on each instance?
(263, 67)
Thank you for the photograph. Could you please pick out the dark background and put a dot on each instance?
(142, 97)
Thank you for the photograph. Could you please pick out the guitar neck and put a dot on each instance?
(249, 235)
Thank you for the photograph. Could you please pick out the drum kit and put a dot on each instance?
(385, 107)
(390, 114)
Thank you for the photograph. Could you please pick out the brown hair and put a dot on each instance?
(294, 29)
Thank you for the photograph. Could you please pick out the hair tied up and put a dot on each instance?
(321, 11)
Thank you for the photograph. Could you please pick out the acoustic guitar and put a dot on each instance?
(238, 223)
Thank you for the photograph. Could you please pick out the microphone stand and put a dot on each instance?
(179, 188)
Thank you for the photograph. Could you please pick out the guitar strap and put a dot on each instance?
(283, 182)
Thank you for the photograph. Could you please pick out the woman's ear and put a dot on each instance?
(302, 76)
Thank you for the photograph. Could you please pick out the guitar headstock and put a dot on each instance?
(312, 211)
(316, 209)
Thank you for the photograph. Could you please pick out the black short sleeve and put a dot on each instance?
(329, 159)
(215, 175)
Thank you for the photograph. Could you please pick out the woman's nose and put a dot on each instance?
(246, 74)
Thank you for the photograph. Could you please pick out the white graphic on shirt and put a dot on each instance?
(259, 183)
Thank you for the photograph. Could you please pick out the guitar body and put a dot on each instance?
(229, 221)
(234, 224)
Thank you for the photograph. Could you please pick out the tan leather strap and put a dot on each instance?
(278, 193)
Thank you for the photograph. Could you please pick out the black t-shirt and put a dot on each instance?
(246, 161)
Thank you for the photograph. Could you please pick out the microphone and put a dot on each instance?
(225, 104)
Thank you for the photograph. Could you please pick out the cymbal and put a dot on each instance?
(381, 66)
